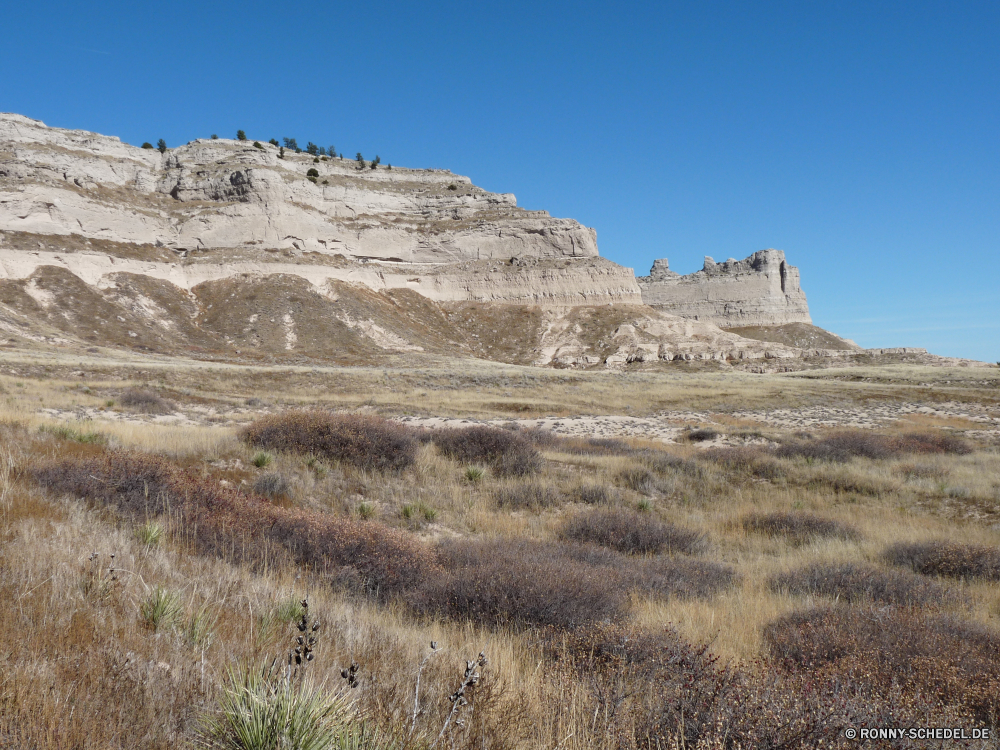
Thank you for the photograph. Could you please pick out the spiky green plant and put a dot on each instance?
(161, 609)
(262, 459)
(261, 709)
(149, 534)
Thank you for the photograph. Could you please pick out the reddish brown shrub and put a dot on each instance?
(798, 527)
(144, 401)
(847, 444)
(851, 582)
(934, 659)
(242, 527)
(653, 689)
(507, 453)
(947, 559)
(630, 532)
(367, 442)
(506, 582)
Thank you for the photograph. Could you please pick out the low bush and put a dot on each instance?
(852, 582)
(595, 494)
(847, 444)
(272, 485)
(507, 453)
(517, 582)
(520, 582)
(934, 659)
(525, 496)
(798, 527)
(680, 577)
(656, 690)
(239, 527)
(629, 532)
(145, 401)
(946, 559)
(745, 459)
(367, 442)
(700, 435)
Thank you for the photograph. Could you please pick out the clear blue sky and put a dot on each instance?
(863, 138)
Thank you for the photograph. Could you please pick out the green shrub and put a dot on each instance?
(312, 172)
(256, 144)
(240, 135)
(147, 145)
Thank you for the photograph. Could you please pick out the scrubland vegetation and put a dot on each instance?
(487, 586)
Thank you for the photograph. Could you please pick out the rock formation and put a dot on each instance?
(762, 290)
(223, 249)
(223, 193)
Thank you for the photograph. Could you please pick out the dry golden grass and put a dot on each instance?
(83, 669)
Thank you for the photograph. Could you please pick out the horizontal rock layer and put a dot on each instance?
(224, 193)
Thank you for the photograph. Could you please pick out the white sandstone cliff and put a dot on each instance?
(762, 290)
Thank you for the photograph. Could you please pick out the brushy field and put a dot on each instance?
(485, 586)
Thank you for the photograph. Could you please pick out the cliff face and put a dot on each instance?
(223, 193)
(762, 290)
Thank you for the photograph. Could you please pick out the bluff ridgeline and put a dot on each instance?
(223, 248)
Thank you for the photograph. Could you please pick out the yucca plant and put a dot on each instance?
(161, 609)
(261, 709)
(149, 534)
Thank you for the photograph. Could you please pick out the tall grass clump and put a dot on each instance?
(507, 453)
(364, 441)
(629, 532)
(272, 485)
(852, 582)
(525, 496)
(798, 527)
(745, 459)
(946, 559)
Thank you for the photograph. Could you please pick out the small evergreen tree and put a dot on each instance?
(291, 143)
(162, 146)
(147, 144)
(215, 137)
(240, 135)
(322, 150)
(312, 149)
(332, 151)
(281, 152)
(274, 142)
(376, 161)
(360, 160)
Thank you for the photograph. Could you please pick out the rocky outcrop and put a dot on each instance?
(223, 193)
(762, 290)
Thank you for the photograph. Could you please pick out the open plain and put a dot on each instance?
(667, 555)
